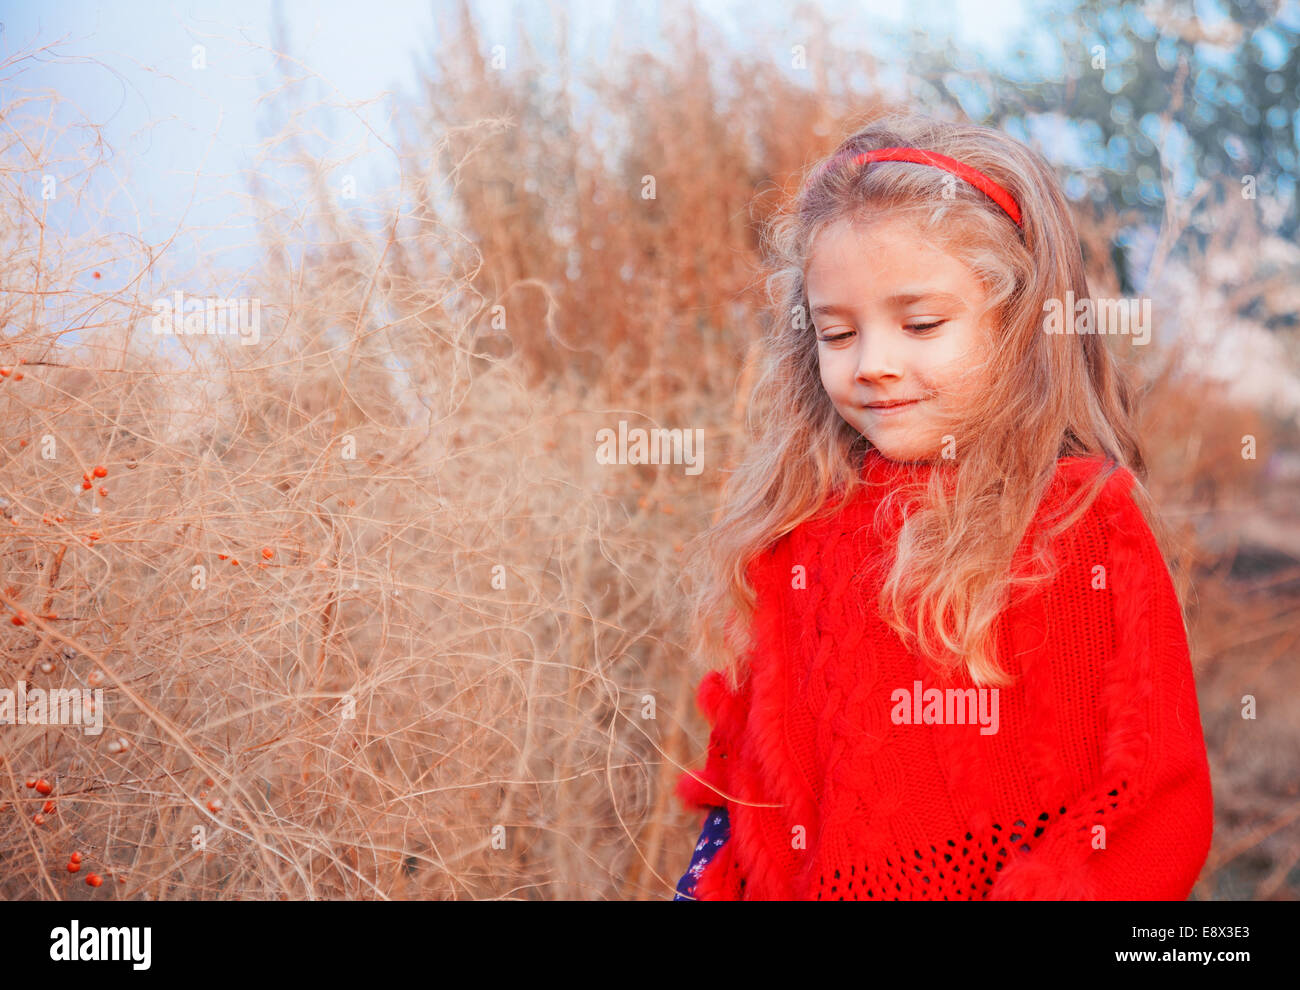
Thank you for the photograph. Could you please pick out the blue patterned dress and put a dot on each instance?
(715, 832)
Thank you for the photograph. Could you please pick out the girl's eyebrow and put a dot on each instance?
(897, 300)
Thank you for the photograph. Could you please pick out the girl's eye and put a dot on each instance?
(917, 328)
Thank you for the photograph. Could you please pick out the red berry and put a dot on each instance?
(100, 471)
(73, 866)
(102, 490)
(86, 485)
(31, 781)
(94, 879)
(268, 553)
(75, 857)
(96, 274)
(49, 808)
(38, 819)
(43, 787)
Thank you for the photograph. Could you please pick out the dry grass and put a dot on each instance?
(368, 579)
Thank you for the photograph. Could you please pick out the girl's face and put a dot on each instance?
(896, 318)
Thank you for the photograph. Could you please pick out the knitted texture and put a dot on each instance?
(1095, 784)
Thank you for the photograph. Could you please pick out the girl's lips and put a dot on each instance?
(892, 410)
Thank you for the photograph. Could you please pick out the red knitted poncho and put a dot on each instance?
(846, 779)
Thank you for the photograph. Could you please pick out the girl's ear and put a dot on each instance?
(990, 326)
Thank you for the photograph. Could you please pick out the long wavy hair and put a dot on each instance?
(1049, 396)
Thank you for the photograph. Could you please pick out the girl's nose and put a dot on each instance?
(876, 359)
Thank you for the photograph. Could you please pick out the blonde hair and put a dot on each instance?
(1051, 396)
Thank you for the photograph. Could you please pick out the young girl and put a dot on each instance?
(956, 666)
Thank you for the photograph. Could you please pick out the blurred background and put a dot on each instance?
(370, 618)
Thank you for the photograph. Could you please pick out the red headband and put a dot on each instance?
(972, 175)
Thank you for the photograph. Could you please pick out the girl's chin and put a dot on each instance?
(896, 450)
